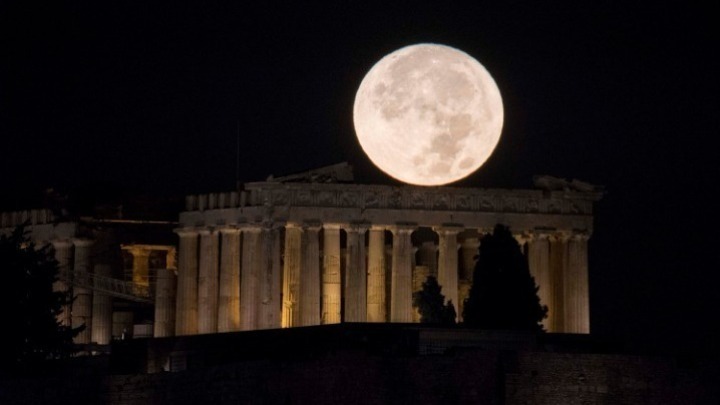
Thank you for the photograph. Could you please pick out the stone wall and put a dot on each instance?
(357, 375)
(347, 377)
(582, 378)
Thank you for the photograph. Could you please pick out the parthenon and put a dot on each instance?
(303, 251)
(286, 254)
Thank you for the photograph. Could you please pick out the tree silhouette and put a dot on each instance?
(503, 294)
(431, 304)
(32, 332)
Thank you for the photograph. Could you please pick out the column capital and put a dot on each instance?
(250, 227)
(559, 236)
(312, 225)
(448, 229)
(521, 238)
(207, 230)
(579, 235)
(293, 225)
(377, 227)
(538, 234)
(332, 226)
(402, 228)
(186, 232)
(359, 227)
(229, 230)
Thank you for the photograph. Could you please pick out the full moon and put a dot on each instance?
(428, 114)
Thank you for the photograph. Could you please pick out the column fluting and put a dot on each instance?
(250, 277)
(331, 281)
(401, 300)
(376, 289)
(448, 263)
(229, 285)
(577, 303)
(165, 289)
(310, 276)
(356, 276)
(291, 275)
(208, 282)
(186, 310)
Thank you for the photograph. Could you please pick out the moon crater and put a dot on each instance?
(428, 114)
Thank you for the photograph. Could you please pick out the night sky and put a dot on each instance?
(135, 99)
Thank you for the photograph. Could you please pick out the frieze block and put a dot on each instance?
(372, 200)
(281, 197)
(304, 197)
(349, 199)
(326, 198)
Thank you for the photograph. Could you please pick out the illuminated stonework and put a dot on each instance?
(553, 227)
(284, 253)
(90, 269)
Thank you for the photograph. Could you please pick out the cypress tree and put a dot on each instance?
(431, 304)
(32, 332)
(504, 294)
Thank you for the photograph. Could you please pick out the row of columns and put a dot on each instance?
(94, 308)
(213, 294)
(247, 296)
(233, 278)
(559, 264)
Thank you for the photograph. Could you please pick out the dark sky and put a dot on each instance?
(146, 99)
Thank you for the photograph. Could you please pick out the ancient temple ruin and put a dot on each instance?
(315, 248)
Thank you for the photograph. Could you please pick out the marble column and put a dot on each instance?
(539, 263)
(82, 305)
(291, 276)
(356, 276)
(141, 266)
(577, 304)
(186, 310)
(310, 276)
(208, 282)
(165, 303)
(558, 268)
(102, 310)
(376, 290)
(250, 277)
(270, 280)
(331, 281)
(402, 263)
(63, 255)
(229, 288)
(448, 262)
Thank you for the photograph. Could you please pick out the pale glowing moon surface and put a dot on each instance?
(428, 114)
